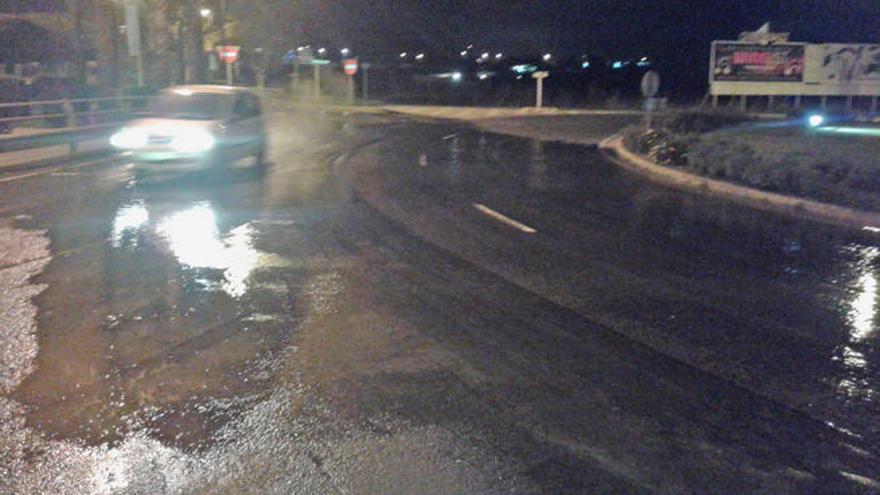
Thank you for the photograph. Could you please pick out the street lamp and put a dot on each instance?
(345, 52)
(547, 57)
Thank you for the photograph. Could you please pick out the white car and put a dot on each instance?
(195, 127)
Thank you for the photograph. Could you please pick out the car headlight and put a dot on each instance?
(192, 141)
(129, 139)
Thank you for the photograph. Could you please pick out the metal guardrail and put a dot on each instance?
(63, 122)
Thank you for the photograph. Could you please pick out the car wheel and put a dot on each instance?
(215, 161)
(260, 159)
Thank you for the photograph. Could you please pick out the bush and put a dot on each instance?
(795, 165)
(698, 122)
(664, 148)
(631, 136)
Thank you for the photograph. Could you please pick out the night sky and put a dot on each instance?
(608, 27)
(605, 27)
(676, 34)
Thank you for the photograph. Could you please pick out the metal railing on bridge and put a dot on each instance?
(41, 124)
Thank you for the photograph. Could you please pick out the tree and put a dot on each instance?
(268, 29)
(159, 42)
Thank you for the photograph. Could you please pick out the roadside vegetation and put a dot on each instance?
(774, 156)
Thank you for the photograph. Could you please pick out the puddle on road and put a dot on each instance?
(161, 326)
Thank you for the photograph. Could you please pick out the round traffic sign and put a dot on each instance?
(351, 66)
(650, 84)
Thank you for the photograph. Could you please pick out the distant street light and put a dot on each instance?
(420, 56)
(322, 51)
(485, 55)
(498, 56)
(205, 13)
(403, 55)
(456, 76)
(547, 57)
(463, 53)
(345, 51)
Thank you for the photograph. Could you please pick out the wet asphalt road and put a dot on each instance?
(401, 307)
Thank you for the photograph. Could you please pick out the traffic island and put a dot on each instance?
(820, 174)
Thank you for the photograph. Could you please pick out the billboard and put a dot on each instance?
(746, 62)
(791, 69)
(845, 64)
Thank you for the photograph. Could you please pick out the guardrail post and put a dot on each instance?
(70, 113)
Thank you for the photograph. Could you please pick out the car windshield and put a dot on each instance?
(197, 106)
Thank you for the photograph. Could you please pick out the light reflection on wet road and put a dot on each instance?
(357, 326)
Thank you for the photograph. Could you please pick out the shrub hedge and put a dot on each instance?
(688, 140)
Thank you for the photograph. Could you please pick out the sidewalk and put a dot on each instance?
(15, 159)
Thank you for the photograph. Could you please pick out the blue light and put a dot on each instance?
(524, 68)
(585, 65)
(617, 65)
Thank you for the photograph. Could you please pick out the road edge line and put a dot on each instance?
(504, 219)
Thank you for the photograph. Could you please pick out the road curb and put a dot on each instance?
(614, 149)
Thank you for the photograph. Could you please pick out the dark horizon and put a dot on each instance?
(676, 35)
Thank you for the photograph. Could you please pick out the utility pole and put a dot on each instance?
(223, 40)
(133, 34)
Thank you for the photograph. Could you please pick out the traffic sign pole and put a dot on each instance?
(650, 87)
(228, 54)
(366, 81)
(317, 81)
(350, 66)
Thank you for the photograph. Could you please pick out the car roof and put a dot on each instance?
(208, 88)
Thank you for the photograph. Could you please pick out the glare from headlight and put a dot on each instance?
(128, 139)
(816, 120)
(192, 141)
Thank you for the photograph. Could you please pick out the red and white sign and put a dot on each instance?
(228, 54)
(351, 66)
